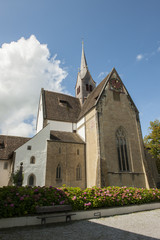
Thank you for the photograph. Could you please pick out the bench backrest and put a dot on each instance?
(56, 208)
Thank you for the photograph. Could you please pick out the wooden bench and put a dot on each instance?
(45, 212)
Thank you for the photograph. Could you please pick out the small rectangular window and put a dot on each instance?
(5, 165)
(59, 150)
(29, 147)
(77, 151)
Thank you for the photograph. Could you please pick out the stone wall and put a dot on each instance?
(92, 149)
(112, 114)
(68, 155)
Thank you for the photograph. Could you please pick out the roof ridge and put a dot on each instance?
(60, 93)
(1, 135)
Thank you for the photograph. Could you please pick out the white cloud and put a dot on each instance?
(25, 67)
(139, 57)
(102, 74)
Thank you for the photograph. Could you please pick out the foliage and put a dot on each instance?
(15, 176)
(22, 201)
(152, 141)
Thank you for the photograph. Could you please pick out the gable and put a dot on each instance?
(93, 99)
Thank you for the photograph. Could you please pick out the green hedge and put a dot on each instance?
(22, 201)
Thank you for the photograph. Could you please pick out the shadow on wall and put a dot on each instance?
(75, 230)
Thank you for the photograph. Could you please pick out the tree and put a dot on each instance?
(152, 141)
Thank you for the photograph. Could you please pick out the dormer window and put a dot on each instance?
(64, 103)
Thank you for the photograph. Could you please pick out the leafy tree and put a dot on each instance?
(152, 141)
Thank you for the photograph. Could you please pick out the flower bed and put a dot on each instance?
(22, 201)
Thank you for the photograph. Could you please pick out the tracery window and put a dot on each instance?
(58, 172)
(78, 172)
(122, 150)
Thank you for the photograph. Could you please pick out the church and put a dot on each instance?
(92, 139)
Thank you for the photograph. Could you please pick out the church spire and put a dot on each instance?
(85, 83)
(84, 68)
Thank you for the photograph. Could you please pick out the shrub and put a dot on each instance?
(22, 201)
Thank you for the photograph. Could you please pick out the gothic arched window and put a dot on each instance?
(32, 180)
(58, 172)
(87, 88)
(122, 150)
(78, 172)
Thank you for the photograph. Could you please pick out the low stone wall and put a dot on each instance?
(80, 215)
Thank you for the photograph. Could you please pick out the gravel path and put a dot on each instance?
(142, 226)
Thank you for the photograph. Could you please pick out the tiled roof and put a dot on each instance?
(66, 108)
(68, 137)
(8, 144)
(61, 107)
(92, 98)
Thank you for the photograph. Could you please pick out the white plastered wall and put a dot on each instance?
(81, 128)
(4, 173)
(62, 126)
(39, 150)
(40, 115)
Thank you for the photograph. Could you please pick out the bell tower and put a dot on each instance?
(85, 84)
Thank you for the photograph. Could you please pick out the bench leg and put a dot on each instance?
(68, 218)
(43, 221)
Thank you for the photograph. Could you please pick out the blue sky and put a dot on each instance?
(120, 33)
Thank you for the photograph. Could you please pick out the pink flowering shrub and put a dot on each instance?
(22, 201)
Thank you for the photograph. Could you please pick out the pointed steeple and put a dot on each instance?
(85, 84)
(84, 67)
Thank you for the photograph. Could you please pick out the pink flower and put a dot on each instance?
(87, 204)
(74, 198)
(12, 205)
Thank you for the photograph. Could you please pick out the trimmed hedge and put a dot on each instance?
(22, 201)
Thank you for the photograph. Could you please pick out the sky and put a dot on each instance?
(41, 44)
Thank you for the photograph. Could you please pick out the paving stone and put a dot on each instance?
(141, 225)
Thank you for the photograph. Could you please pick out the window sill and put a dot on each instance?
(125, 172)
(58, 180)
